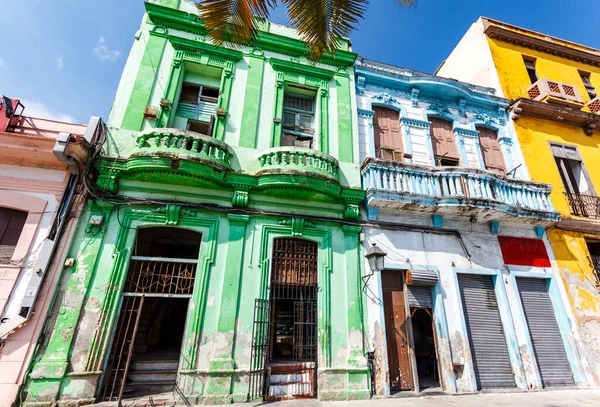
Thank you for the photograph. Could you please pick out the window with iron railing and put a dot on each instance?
(298, 120)
(578, 187)
(594, 250)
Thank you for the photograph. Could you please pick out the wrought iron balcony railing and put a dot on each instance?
(595, 263)
(584, 205)
(435, 187)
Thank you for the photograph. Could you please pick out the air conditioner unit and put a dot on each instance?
(545, 90)
(594, 105)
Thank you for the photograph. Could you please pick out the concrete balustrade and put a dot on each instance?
(176, 141)
(455, 186)
(299, 159)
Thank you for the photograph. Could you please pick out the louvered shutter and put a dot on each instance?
(545, 337)
(486, 333)
(442, 139)
(386, 130)
(11, 225)
(419, 297)
(490, 149)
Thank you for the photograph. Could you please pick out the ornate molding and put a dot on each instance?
(240, 198)
(461, 131)
(173, 212)
(360, 85)
(415, 122)
(414, 97)
(297, 225)
(365, 112)
(385, 97)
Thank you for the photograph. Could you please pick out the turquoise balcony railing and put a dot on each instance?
(436, 189)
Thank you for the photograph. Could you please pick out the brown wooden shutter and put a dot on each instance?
(396, 331)
(388, 139)
(442, 139)
(11, 225)
(490, 149)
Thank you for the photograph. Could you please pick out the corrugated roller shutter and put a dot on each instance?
(419, 296)
(486, 334)
(545, 336)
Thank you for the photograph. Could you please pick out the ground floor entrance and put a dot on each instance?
(410, 334)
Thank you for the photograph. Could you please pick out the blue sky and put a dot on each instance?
(64, 58)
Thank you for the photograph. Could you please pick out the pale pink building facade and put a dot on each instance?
(40, 203)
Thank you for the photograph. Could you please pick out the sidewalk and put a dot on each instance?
(547, 398)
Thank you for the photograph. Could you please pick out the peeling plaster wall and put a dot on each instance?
(412, 250)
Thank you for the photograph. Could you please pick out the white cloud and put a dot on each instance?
(59, 62)
(35, 108)
(104, 52)
(3, 63)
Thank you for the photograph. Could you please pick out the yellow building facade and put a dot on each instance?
(552, 84)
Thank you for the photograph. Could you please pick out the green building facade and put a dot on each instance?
(226, 174)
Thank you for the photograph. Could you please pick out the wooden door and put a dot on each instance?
(395, 331)
(386, 129)
(442, 139)
(490, 149)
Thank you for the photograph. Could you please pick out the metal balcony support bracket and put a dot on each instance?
(494, 226)
(437, 220)
(539, 231)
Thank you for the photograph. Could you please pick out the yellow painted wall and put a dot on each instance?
(514, 80)
(534, 135)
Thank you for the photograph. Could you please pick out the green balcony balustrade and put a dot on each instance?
(290, 160)
(185, 144)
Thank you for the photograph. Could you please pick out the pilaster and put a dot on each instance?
(250, 115)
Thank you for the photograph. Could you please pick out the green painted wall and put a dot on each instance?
(239, 198)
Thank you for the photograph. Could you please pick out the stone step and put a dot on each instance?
(291, 389)
(289, 378)
(154, 365)
(143, 388)
(153, 376)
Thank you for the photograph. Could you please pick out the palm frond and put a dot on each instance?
(321, 23)
(233, 20)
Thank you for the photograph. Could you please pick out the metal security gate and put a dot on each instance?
(545, 336)
(260, 350)
(485, 330)
(147, 278)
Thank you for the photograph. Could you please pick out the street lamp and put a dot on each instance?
(376, 258)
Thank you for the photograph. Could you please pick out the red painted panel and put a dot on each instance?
(524, 252)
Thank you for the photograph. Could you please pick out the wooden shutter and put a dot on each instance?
(388, 139)
(396, 331)
(442, 139)
(11, 225)
(490, 149)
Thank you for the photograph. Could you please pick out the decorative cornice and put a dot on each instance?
(555, 112)
(365, 112)
(540, 42)
(415, 122)
(301, 69)
(184, 44)
(461, 131)
(180, 20)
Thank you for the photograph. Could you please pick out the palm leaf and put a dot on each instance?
(233, 20)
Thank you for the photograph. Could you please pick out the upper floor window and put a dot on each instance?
(445, 152)
(572, 171)
(298, 120)
(585, 77)
(194, 94)
(386, 130)
(197, 104)
(531, 71)
(11, 224)
(490, 150)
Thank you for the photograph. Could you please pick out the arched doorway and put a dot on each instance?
(145, 351)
